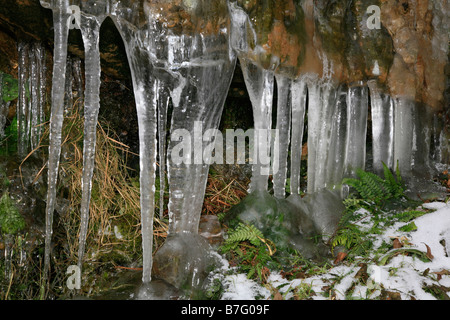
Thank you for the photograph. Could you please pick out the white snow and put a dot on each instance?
(403, 274)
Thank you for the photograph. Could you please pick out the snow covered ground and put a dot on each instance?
(404, 276)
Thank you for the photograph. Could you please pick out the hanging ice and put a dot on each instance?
(31, 102)
(382, 112)
(164, 63)
(357, 110)
(89, 21)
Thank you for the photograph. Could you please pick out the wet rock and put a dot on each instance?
(184, 261)
(157, 290)
(325, 208)
(287, 222)
(211, 229)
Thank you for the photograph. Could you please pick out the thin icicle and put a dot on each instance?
(163, 105)
(90, 30)
(313, 132)
(284, 128)
(3, 109)
(298, 95)
(23, 107)
(61, 31)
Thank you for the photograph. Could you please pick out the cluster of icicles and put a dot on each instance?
(194, 72)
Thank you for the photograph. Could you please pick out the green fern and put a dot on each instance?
(373, 188)
(245, 232)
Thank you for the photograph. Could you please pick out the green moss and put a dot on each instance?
(11, 220)
(10, 87)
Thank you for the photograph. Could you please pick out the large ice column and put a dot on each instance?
(357, 112)
(298, 95)
(260, 83)
(382, 112)
(403, 134)
(283, 125)
(202, 74)
(61, 30)
(336, 157)
(90, 22)
(422, 117)
(322, 102)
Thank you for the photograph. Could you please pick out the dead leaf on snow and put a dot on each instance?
(441, 273)
(339, 257)
(429, 255)
(397, 244)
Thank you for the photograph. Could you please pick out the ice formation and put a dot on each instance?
(189, 64)
(31, 102)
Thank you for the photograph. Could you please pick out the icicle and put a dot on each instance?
(23, 107)
(322, 98)
(197, 111)
(90, 30)
(145, 89)
(68, 90)
(3, 109)
(259, 83)
(298, 95)
(422, 141)
(31, 96)
(163, 105)
(403, 135)
(61, 30)
(34, 96)
(284, 128)
(357, 111)
(313, 132)
(336, 157)
(78, 81)
(382, 112)
(147, 121)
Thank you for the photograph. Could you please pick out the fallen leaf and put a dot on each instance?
(397, 244)
(339, 257)
(362, 273)
(441, 273)
(277, 296)
(429, 255)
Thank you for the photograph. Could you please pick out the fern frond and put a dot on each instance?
(245, 232)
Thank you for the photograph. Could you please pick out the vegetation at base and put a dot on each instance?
(376, 190)
(374, 205)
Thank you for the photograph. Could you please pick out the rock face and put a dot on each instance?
(408, 54)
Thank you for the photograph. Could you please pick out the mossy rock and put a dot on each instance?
(11, 221)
